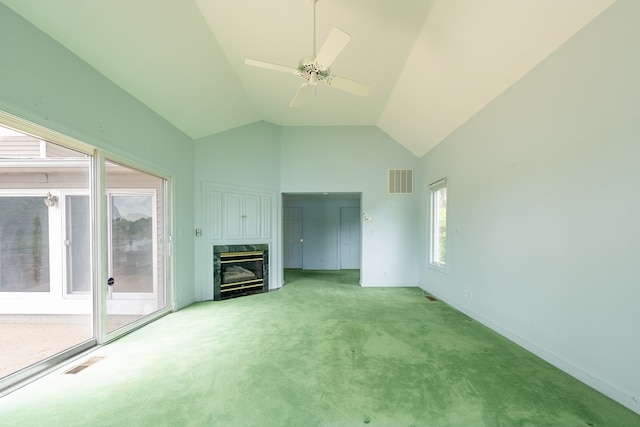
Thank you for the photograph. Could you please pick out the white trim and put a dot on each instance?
(153, 295)
(66, 294)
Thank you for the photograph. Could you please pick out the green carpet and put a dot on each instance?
(320, 352)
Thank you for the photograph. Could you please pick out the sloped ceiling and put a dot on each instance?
(433, 64)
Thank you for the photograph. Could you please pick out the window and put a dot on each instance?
(24, 244)
(438, 235)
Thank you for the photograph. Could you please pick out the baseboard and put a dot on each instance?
(388, 285)
(597, 384)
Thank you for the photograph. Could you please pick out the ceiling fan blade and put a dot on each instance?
(301, 94)
(347, 85)
(332, 47)
(270, 66)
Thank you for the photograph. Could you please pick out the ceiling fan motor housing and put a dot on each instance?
(307, 67)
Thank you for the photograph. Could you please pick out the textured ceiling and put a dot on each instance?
(432, 63)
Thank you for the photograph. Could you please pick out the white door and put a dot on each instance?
(292, 236)
(349, 237)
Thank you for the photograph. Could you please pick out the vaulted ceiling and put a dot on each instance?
(432, 64)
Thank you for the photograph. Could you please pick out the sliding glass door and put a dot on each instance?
(83, 248)
(136, 230)
(46, 256)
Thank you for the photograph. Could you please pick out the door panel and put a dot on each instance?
(136, 236)
(232, 216)
(46, 299)
(132, 243)
(250, 217)
(78, 244)
(293, 239)
(349, 238)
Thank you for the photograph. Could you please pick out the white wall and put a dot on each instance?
(44, 83)
(544, 197)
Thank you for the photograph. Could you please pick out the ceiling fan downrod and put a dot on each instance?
(314, 27)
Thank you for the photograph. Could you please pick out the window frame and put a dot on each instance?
(135, 192)
(66, 234)
(436, 261)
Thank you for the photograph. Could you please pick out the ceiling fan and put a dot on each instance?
(315, 68)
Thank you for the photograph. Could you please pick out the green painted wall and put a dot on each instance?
(44, 83)
(247, 156)
(544, 197)
(355, 160)
(244, 157)
(319, 159)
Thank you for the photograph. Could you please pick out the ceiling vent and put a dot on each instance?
(400, 181)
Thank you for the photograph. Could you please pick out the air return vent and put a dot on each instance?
(400, 181)
(84, 365)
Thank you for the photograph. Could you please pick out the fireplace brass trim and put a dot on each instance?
(231, 261)
(259, 285)
(226, 285)
(243, 253)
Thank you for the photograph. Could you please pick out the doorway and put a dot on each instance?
(321, 231)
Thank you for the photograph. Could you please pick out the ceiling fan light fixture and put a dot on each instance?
(313, 79)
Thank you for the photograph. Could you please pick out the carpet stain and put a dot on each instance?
(382, 344)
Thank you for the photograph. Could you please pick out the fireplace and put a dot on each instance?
(240, 270)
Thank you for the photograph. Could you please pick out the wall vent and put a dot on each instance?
(84, 365)
(400, 181)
